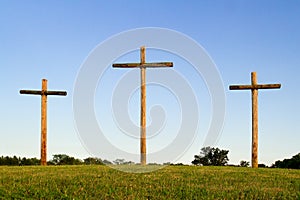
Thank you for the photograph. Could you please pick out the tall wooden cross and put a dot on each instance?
(143, 65)
(254, 87)
(44, 93)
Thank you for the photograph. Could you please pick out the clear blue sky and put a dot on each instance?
(51, 39)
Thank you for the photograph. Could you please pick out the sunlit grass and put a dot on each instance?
(174, 182)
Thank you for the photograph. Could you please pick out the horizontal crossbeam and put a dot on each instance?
(39, 92)
(146, 65)
(250, 87)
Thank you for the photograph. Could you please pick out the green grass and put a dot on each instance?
(173, 182)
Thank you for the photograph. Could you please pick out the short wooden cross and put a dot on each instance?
(44, 93)
(254, 87)
(143, 65)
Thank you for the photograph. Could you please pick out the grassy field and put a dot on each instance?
(172, 182)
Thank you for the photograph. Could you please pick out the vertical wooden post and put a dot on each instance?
(254, 87)
(143, 107)
(44, 93)
(143, 65)
(44, 123)
(254, 120)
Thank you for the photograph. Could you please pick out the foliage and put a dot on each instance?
(93, 161)
(122, 162)
(261, 165)
(154, 164)
(15, 161)
(292, 163)
(244, 163)
(211, 156)
(170, 182)
(177, 164)
(107, 162)
(63, 159)
(10, 160)
(60, 159)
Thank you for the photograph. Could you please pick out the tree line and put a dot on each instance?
(217, 157)
(291, 163)
(15, 161)
(209, 156)
(58, 159)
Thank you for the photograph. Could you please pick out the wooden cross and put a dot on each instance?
(254, 87)
(44, 93)
(143, 65)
